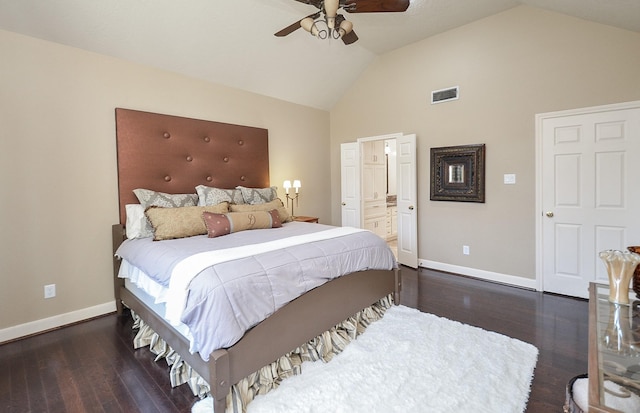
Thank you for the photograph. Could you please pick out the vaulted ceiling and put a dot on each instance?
(232, 43)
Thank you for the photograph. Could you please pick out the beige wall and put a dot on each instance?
(58, 164)
(58, 167)
(509, 67)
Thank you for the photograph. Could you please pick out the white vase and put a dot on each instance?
(620, 267)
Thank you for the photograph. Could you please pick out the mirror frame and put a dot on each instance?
(467, 186)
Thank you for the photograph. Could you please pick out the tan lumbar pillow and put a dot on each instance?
(224, 224)
(172, 223)
(267, 206)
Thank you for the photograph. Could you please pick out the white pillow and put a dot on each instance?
(137, 226)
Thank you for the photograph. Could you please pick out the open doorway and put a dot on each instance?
(381, 197)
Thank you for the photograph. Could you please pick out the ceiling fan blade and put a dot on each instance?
(375, 6)
(294, 26)
(350, 37)
(288, 30)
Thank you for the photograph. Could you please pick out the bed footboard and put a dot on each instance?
(295, 324)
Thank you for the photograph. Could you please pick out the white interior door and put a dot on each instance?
(350, 184)
(590, 198)
(407, 201)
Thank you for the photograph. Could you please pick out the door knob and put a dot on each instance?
(344, 203)
(549, 214)
(411, 208)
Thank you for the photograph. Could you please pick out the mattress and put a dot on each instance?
(156, 307)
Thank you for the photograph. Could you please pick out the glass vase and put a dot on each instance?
(620, 267)
(618, 336)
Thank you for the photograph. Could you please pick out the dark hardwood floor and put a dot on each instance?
(556, 325)
(92, 367)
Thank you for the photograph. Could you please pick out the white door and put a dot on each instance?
(407, 201)
(350, 184)
(590, 196)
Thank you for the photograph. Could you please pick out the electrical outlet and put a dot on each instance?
(49, 291)
(465, 249)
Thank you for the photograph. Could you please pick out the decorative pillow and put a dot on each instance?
(137, 226)
(171, 223)
(258, 195)
(149, 198)
(268, 206)
(224, 224)
(213, 196)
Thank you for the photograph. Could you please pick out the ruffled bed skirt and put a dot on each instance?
(324, 347)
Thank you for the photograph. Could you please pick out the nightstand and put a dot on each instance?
(306, 219)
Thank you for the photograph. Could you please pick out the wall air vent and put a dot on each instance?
(445, 95)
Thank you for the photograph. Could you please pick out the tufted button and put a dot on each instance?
(167, 135)
(225, 159)
(240, 142)
(207, 139)
(242, 178)
(209, 179)
(167, 178)
(189, 158)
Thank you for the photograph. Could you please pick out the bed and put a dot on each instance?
(174, 155)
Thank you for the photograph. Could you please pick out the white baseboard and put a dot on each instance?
(33, 327)
(481, 274)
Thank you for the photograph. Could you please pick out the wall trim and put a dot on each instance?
(480, 274)
(60, 320)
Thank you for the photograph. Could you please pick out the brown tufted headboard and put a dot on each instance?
(173, 154)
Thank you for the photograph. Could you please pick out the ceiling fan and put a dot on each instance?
(334, 25)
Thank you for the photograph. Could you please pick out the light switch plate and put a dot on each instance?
(49, 291)
(509, 179)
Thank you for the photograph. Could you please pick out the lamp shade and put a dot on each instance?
(309, 25)
(286, 185)
(331, 11)
(345, 27)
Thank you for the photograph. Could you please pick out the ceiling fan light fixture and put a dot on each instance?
(331, 11)
(345, 27)
(310, 26)
(326, 23)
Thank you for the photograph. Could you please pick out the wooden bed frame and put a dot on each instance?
(173, 155)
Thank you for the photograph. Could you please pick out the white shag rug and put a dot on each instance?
(410, 361)
(615, 396)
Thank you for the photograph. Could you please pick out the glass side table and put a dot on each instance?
(614, 350)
